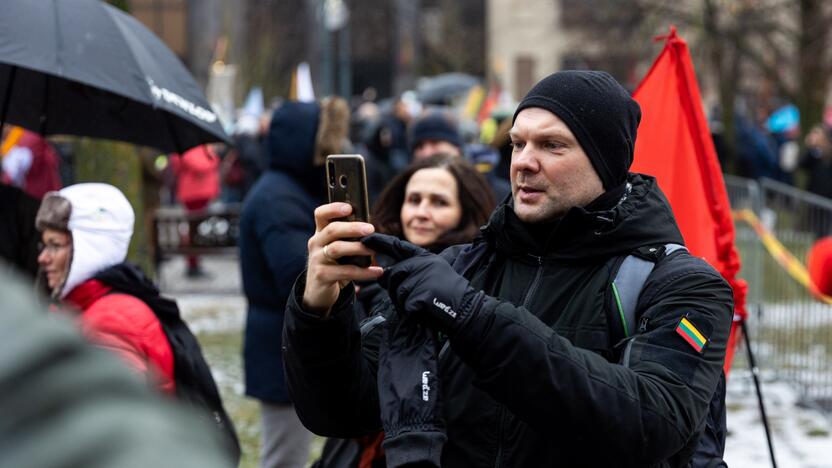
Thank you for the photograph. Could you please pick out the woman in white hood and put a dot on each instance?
(86, 230)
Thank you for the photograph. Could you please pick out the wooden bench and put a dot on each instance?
(212, 231)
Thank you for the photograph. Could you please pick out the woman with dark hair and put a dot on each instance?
(435, 203)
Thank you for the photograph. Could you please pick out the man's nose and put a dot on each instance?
(525, 160)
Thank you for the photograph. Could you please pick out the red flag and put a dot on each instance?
(675, 145)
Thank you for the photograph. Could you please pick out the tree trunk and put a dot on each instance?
(117, 164)
(813, 63)
(725, 62)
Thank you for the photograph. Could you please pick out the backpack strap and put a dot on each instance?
(629, 280)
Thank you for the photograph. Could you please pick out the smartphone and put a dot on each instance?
(346, 180)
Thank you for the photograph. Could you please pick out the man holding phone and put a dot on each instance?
(531, 370)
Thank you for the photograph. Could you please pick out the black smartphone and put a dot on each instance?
(346, 180)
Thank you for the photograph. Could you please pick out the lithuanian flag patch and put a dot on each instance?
(691, 334)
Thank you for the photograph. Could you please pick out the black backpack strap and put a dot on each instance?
(195, 384)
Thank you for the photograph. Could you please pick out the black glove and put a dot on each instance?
(424, 285)
(408, 392)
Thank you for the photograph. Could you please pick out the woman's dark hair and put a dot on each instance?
(475, 198)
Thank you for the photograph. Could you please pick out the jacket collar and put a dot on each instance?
(83, 295)
(641, 216)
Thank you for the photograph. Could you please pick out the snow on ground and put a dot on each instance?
(802, 436)
(212, 313)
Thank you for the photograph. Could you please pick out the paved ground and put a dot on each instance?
(222, 276)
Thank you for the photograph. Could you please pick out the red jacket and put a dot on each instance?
(128, 327)
(198, 176)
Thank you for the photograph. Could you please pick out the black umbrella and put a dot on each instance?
(82, 67)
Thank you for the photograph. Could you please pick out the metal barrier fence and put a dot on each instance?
(791, 330)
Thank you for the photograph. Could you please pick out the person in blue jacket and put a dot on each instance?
(276, 222)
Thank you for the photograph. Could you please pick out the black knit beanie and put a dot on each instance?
(598, 111)
(434, 126)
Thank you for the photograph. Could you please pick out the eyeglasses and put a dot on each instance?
(51, 248)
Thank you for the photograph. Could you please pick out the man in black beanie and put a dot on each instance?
(575, 331)
(434, 133)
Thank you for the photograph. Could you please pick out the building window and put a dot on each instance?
(168, 19)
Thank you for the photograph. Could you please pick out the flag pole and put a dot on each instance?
(755, 371)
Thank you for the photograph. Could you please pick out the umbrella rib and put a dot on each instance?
(130, 53)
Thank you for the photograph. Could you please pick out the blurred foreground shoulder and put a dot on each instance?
(67, 404)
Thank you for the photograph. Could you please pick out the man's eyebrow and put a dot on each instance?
(545, 134)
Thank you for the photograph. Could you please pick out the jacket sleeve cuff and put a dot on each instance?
(478, 319)
(414, 448)
(343, 303)
(335, 330)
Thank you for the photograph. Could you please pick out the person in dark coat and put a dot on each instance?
(527, 371)
(276, 222)
(817, 161)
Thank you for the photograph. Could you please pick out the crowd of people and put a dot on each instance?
(490, 331)
(72, 242)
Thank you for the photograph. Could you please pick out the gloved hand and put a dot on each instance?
(410, 401)
(424, 285)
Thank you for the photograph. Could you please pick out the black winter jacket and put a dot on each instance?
(534, 377)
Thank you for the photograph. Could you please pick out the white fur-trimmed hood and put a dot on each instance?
(101, 222)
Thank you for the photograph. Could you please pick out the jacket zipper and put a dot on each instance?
(501, 421)
(498, 458)
(642, 327)
(533, 288)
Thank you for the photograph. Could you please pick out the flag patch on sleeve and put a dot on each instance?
(691, 334)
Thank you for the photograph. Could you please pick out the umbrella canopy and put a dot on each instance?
(82, 67)
(441, 89)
